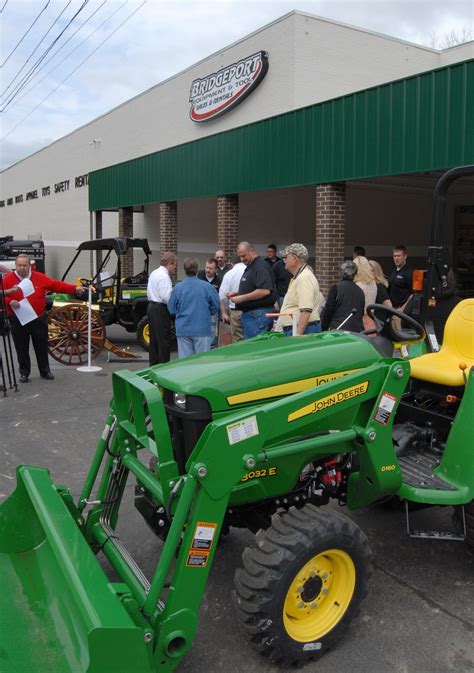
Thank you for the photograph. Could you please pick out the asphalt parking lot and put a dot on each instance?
(417, 618)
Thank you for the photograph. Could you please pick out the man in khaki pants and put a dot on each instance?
(230, 314)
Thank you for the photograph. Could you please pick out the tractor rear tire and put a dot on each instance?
(302, 583)
(469, 514)
(143, 333)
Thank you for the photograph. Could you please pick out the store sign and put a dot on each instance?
(59, 187)
(218, 93)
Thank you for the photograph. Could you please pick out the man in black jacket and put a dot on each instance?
(281, 279)
(209, 273)
(343, 297)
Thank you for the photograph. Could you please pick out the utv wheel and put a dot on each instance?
(143, 333)
(302, 583)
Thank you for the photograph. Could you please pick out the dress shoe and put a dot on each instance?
(48, 376)
(24, 378)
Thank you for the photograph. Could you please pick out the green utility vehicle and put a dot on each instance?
(117, 300)
(260, 434)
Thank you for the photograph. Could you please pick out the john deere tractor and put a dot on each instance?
(261, 434)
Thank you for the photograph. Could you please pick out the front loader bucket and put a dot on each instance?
(59, 613)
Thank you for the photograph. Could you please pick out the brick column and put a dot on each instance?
(98, 234)
(126, 229)
(330, 230)
(228, 223)
(169, 229)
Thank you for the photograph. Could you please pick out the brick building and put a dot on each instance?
(338, 139)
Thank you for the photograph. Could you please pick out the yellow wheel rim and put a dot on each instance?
(146, 333)
(319, 596)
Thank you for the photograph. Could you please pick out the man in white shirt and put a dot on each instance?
(230, 314)
(159, 320)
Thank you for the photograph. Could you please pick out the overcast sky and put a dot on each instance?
(131, 45)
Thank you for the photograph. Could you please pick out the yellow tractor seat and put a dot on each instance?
(458, 347)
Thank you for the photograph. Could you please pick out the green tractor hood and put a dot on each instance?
(266, 367)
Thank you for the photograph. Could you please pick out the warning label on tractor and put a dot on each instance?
(201, 544)
(385, 408)
(204, 535)
(241, 430)
(197, 559)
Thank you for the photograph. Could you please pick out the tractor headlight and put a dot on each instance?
(180, 400)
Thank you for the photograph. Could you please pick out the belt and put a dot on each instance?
(162, 303)
(313, 322)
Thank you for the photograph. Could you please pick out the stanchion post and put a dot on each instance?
(89, 367)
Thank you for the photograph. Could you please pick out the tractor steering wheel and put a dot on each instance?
(417, 334)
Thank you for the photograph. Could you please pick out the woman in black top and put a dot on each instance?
(343, 297)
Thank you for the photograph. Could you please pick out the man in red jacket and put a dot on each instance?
(37, 329)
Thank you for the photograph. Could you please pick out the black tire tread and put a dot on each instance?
(291, 533)
(140, 326)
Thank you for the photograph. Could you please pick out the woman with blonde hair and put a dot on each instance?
(382, 284)
(365, 280)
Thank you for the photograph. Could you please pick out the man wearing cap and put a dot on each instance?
(303, 294)
(256, 295)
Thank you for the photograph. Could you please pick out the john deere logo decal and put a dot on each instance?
(218, 93)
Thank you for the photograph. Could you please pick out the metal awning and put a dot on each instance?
(417, 124)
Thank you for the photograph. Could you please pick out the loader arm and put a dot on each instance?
(352, 414)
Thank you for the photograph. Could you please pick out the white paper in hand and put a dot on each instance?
(26, 286)
(25, 313)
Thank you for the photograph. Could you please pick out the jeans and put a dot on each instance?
(189, 345)
(254, 322)
(214, 319)
(310, 329)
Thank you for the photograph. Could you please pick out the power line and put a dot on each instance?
(27, 77)
(53, 56)
(21, 40)
(30, 73)
(75, 70)
(4, 5)
(49, 29)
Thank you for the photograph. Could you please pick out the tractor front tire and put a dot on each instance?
(143, 333)
(302, 583)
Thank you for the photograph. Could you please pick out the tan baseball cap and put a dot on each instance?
(297, 249)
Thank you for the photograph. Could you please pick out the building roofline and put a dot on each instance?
(286, 16)
(360, 29)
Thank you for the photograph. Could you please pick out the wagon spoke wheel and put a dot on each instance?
(67, 334)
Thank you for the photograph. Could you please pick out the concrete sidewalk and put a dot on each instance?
(417, 618)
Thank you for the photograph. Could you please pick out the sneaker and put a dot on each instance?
(49, 376)
(24, 378)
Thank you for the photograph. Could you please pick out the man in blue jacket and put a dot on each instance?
(192, 302)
